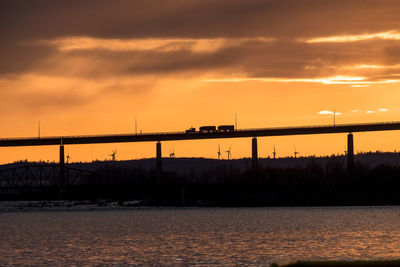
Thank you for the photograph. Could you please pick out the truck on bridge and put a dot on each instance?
(207, 129)
(190, 130)
(226, 128)
(211, 129)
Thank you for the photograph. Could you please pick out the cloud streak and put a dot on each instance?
(389, 35)
(160, 45)
(328, 112)
(336, 80)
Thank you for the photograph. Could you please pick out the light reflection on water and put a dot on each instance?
(199, 236)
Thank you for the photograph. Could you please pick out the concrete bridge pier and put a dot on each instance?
(158, 163)
(254, 154)
(350, 153)
(62, 171)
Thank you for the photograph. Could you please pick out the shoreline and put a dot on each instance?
(108, 205)
(66, 205)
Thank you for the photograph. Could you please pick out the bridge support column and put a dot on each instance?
(158, 163)
(254, 154)
(62, 171)
(350, 153)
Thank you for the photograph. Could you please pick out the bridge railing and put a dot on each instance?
(197, 132)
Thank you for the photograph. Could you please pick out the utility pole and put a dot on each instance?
(334, 117)
(235, 121)
(135, 126)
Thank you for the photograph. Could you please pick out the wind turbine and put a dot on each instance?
(295, 152)
(274, 153)
(112, 155)
(172, 154)
(229, 152)
(219, 153)
(68, 158)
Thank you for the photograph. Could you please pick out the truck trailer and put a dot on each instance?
(226, 128)
(207, 129)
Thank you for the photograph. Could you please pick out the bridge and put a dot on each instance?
(45, 174)
(236, 133)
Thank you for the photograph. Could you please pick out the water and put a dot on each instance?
(199, 236)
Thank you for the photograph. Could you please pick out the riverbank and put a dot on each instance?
(65, 205)
(105, 205)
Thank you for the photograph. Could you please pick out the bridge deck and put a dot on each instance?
(170, 136)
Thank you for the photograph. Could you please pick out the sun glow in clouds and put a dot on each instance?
(339, 79)
(157, 44)
(360, 85)
(364, 66)
(379, 110)
(330, 80)
(371, 67)
(389, 35)
(342, 79)
(328, 112)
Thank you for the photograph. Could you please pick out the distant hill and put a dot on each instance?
(181, 165)
(303, 181)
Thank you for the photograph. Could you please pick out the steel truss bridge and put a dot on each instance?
(45, 175)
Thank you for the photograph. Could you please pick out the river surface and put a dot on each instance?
(198, 236)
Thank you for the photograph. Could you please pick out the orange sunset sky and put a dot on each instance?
(92, 67)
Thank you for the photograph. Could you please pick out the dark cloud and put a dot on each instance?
(187, 18)
(282, 59)
(20, 58)
(24, 22)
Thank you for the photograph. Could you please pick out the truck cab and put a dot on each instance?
(190, 130)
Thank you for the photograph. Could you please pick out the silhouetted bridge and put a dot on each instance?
(45, 174)
(171, 136)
